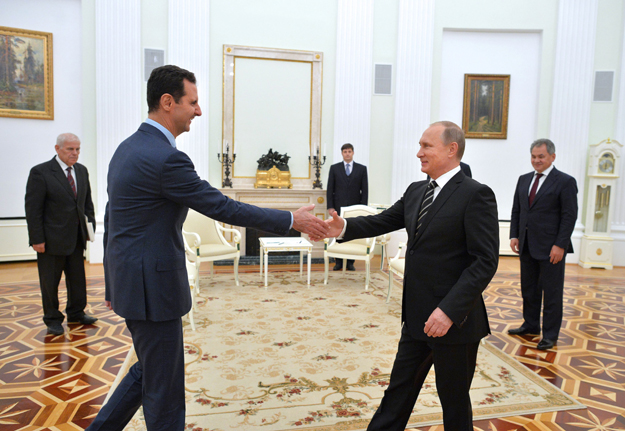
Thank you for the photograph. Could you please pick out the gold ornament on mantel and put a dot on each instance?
(273, 171)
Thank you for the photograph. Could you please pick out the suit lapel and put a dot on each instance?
(438, 203)
(524, 186)
(549, 182)
(58, 173)
(419, 194)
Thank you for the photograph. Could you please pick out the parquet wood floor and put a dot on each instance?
(59, 383)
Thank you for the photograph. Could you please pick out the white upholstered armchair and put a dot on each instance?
(396, 266)
(209, 241)
(358, 249)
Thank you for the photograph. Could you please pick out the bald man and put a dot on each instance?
(58, 197)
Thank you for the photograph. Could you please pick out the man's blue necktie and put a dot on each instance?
(347, 170)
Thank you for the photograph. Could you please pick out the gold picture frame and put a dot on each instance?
(485, 107)
(26, 89)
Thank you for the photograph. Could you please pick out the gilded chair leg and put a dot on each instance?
(368, 264)
(390, 285)
(236, 270)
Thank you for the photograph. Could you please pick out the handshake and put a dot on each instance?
(314, 227)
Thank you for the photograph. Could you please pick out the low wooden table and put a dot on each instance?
(268, 244)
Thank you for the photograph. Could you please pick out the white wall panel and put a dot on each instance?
(413, 90)
(188, 48)
(495, 162)
(354, 78)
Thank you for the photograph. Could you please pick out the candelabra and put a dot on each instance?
(226, 161)
(315, 161)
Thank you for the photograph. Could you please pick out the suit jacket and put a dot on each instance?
(151, 186)
(450, 261)
(53, 214)
(551, 218)
(346, 190)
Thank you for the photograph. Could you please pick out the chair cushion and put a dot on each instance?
(348, 248)
(210, 250)
(398, 265)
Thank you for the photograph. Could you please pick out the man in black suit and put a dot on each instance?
(451, 256)
(151, 186)
(347, 185)
(58, 197)
(544, 212)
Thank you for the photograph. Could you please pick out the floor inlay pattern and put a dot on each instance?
(59, 382)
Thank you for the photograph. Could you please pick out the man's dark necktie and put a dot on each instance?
(534, 188)
(427, 203)
(347, 170)
(70, 178)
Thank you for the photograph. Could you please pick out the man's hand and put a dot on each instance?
(40, 248)
(336, 224)
(438, 324)
(305, 222)
(556, 254)
(108, 305)
(514, 245)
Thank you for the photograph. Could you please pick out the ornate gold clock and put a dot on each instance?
(603, 168)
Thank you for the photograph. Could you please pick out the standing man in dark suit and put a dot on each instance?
(452, 255)
(151, 186)
(347, 185)
(544, 211)
(58, 197)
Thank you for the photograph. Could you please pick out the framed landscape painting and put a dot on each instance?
(26, 74)
(485, 109)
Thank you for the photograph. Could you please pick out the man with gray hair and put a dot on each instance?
(58, 204)
(544, 211)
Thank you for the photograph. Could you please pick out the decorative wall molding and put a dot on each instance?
(118, 81)
(572, 90)
(188, 47)
(413, 92)
(354, 78)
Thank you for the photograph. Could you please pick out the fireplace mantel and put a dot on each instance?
(282, 199)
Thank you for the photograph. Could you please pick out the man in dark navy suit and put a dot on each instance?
(58, 198)
(347, 185)
(544, 212)
(151, 186)
(451, 256)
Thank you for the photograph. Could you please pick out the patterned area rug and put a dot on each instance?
(319, 358)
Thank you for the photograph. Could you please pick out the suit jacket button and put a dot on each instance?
(411, 252)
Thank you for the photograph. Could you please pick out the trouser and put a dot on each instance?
(454, 365)
(542, 280)
(156, 381)
(50, 268)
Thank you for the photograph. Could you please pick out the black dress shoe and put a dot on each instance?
(55, 329)
(338, 267)
(545, 344)
(351, 267)
(84, 320)
(522, 331)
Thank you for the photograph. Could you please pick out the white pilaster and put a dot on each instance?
(618, 221)
(188, 48)
(619, 135)
(118, 88)
(354, 78)
(572, 94)
(413, 90)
